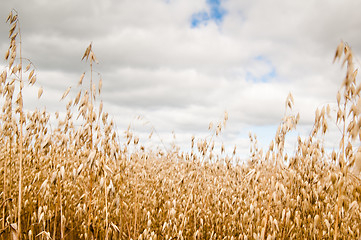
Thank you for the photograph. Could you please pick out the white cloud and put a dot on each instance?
(180, 78)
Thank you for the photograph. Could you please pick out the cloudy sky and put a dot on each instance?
(181, 63)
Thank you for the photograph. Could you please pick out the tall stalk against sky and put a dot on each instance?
(17, 72)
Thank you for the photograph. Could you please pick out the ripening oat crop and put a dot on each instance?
(78, 179)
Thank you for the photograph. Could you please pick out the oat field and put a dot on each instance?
(78, 179)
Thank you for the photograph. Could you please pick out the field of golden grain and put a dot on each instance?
(81, 181)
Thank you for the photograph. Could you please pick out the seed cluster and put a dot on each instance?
(79, 180)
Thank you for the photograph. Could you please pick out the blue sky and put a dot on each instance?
(215, 12)
(181, 64)
(269, 74)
